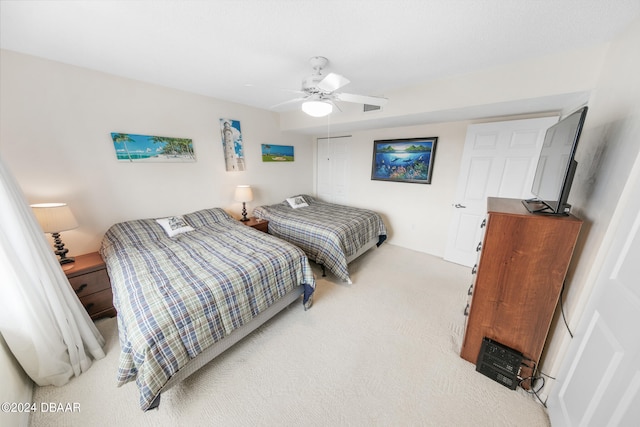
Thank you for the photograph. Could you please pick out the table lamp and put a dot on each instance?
(55, 218)
(243, 194)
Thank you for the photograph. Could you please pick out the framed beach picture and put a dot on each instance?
(404, 160)
(152, 149)
(277, 153)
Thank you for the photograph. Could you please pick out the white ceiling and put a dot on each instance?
(254, 51)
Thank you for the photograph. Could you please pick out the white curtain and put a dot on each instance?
(41, 319)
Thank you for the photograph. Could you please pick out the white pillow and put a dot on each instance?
(297, 202)
(174, 225)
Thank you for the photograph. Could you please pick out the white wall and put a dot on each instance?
(417, 216)
(55, 138)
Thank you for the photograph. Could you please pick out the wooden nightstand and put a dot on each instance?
(90, 281)
(258, 224)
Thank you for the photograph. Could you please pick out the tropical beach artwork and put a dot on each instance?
(232, 145)
(404, 160)
(277, 153)
(154, 149)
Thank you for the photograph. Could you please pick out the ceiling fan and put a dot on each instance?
(320, 92)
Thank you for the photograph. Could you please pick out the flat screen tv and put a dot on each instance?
(557, 166)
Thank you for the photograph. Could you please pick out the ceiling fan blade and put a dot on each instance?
(361, 99)
(288, 103)
(332, 82)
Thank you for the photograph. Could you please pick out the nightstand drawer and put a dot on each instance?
(89, 279)
(98, 302)
(90, 283)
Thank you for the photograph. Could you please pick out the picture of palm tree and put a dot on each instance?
(145, 148)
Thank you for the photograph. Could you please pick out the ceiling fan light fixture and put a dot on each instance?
(317, 108)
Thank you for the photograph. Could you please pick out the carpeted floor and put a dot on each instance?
(381, 352)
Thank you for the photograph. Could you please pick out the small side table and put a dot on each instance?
(258, 224)
(90, 281)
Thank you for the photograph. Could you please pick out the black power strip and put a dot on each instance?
(499, 362)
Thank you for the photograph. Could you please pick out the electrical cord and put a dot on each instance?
(562, 310)
(533, 379)
(532, 390)
(548, 376)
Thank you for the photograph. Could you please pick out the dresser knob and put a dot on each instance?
(479, 247)
(466, 310)
(81, 288)
(89, 306)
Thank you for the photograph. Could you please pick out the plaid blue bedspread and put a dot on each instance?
(328, 233)
(176, 296)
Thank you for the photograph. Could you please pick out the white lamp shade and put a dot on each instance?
(243, 193)
(317, 108)
(54, 217)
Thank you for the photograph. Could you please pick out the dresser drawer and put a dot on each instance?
(90, 283)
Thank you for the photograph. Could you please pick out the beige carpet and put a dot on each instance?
(381, 352)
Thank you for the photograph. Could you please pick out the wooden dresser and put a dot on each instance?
(89, 279)
(523, 260)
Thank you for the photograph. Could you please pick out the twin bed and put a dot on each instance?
(187, 288)
(331, 235)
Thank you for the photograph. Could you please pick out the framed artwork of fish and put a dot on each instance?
(404, 160)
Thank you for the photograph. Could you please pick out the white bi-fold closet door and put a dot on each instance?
(333, 169)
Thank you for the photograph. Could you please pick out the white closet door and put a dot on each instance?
(333, 172)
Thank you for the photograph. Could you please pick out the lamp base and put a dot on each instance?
(61, 251)
(244, 213)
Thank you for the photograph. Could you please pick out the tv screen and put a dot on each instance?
(556, 165)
